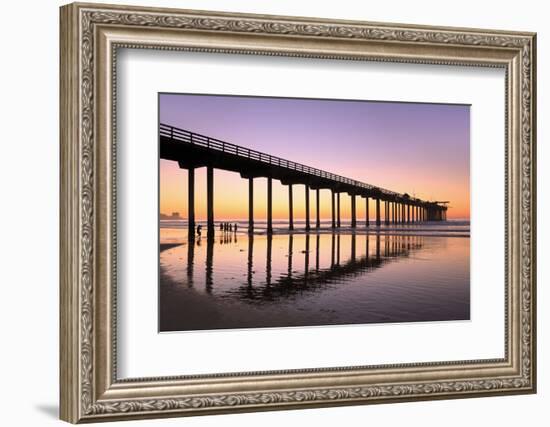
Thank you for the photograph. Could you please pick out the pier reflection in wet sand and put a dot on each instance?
(247, 281)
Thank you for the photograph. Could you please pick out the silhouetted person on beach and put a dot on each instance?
(199, 230)
(230, 227)
(221, 226)
(235, 228)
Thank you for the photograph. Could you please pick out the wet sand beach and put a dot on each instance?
(312, 279)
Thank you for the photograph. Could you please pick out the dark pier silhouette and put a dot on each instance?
(192, 150)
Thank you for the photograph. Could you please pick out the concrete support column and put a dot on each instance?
(353, 212)
(333, 208)
(307, 207)
(378, 212)
(397, 212)
(251, 205)
(387, 212)
(402, 212)
(191, 203)
(317, 210)
(338, 223)
(408, 213)
(210, 201)
(366, 211)
(290, 209)
(269, 205)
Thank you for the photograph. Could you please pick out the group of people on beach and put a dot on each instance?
(226, 226)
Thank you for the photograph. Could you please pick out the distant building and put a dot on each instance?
(174, 216)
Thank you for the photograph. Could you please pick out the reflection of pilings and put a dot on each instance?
(290, 250)
(190, 262)
(250, 205)
(378, 246)
(306, 259)
(210, 200)
(307, 208)
(353, 212)
(269, 259)
(317, 246)
(366, 211)
(353, 246)
(317, 210)
(332, 249)
(338, 249)
(296, 283)
(338, 223)
(209, 264)
(269, 205)
(191, 203)
(250, 262)
(290, 208)
(378, 212)
(333, 209)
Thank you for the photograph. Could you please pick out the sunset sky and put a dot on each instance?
(420, 149)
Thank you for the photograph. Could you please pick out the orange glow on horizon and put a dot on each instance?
(231, 194)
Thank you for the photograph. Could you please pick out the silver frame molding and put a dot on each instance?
(90, 37)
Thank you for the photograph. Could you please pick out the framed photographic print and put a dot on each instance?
(265, 212)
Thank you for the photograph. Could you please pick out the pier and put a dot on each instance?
(192, 150)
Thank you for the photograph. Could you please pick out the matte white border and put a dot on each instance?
(142, 352)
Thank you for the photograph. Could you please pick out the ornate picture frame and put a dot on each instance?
(90, 37)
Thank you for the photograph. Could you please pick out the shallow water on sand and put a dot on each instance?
(241, 281)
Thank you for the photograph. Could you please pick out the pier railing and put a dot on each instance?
(188, 137)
